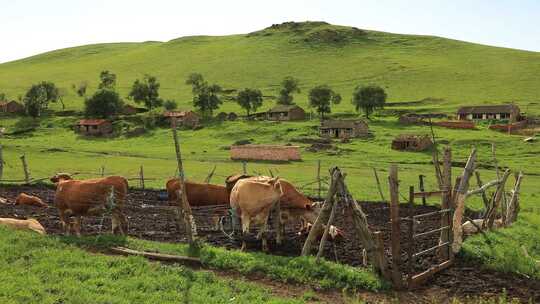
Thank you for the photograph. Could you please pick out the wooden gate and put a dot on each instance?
(445, 256)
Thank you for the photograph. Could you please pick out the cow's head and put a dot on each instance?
(60, 177)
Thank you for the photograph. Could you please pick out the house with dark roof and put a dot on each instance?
(510, 112)
(11, 107)
(343, 128)
(96, 127)
(286, 112)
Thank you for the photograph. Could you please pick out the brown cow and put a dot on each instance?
(91, 197)
(29, 224)
(29, 200)
(198, 194)
(252, 200)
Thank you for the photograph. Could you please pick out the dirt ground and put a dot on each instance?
(149, 219)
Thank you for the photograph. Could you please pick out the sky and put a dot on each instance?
(30, 27)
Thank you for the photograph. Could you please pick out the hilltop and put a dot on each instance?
(410, 67)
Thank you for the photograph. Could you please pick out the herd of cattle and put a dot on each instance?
(251, 199)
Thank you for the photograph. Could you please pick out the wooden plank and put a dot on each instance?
(430, 249)
(158, 256)
(420, 278)
(419, 235)
(431, 213)
(395, 235)
(410, 252)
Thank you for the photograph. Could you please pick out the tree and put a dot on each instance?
(39, 95)
(3, 96)
(369, 99)
(320, 98)
(108, 80)
(170, 105)
(289, 85)
(147, 92)
(205, 97)
(81, 88)
(249, 99)
(104, 103)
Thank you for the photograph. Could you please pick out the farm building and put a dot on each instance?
(265, 152)
(343, 128)
(509, 112)
(232, 116)
(183, 118)
(132, 110)
(222, 116)
(409, 142)
(94, 127)
(286, 112)
(11, 107)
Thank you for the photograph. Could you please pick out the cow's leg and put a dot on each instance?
(245, 229)
(118, 222)
(77, 225)
(263, 233)
(63, 222)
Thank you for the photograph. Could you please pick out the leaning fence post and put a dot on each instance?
(326, 229)
(410, 252)
(183, 204)
(446, 203)
(394, 217)
(1, 163)
(378, 184)
(25, 168)
(421, 187)
(141, 176)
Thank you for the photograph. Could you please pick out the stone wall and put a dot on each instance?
(265, 152)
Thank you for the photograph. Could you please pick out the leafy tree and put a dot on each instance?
(320, 98)
(81, 88)
(104, 103)
(289, 86)
(205, 97)
(170, 105)
(3, 96)
(108, 80)
(250, 99)
(39, 95)
(369, 99)
(147, 92)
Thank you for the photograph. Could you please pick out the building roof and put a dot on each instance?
(283, 108)
(92, 122)
(489, 109)
(177, 113)
(3, 103)
(341, 124)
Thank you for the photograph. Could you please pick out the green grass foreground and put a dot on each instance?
(36, 269)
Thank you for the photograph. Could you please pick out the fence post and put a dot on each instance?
(25, 168)
(319, 178)
(410, 252)
(378, 184)
(326, 230)
(102, 171)
(421, 187)
(244, 167)
(394, 217)
(210, 175)
(446, 203)
(185, 215)
(1, 163)
(141, 176)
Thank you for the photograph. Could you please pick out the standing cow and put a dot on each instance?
(91, 197)
(252, 200)
(198, 194)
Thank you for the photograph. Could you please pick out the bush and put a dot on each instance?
(170, 105)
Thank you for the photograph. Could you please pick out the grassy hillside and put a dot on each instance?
(409, 67)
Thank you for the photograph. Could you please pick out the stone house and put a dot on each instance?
(411, 142)
(11, 107)
(97, 127)
(343, 128)
(510, 112)
(183, 118)
(286, 112)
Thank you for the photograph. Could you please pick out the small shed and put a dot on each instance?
(183, 118)
(286, 112)
(11, 107)
(96, 127)
(132, 110)
(411, 142)
(510, 112)
(232, 116)
(222, 116)
(343, 128)
(265, 152)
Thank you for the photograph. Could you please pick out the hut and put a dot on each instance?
(232, 116)
(98, 127)
(222, 116)
(183, 118)
(11, 107)
(132, 110)
(510, 112)
(411, 142)
(286, 112)
(265, 152)
(343, 128)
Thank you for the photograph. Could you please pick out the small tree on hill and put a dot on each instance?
(104, 103)
(170, 105)
(3, 96)
(289, 86)
(108, 80)
(80, 89)
(205, 97)
(147, 92)
(368, 99)
(250, 100)
(39, 95)
(320, 98)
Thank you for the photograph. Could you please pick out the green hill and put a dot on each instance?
(410, 67)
